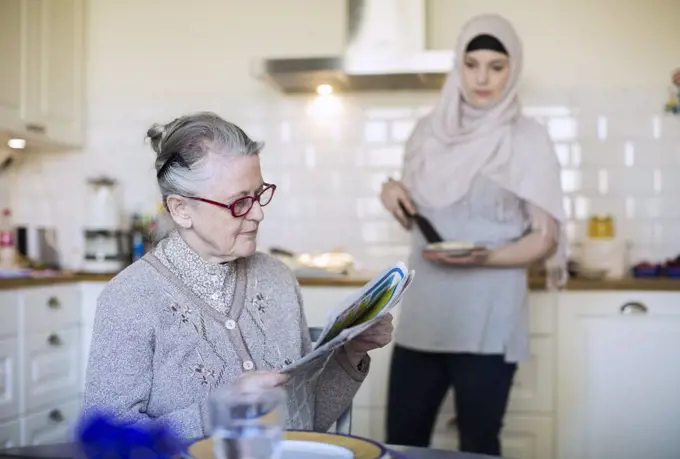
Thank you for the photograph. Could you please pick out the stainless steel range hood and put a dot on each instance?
(385, 52)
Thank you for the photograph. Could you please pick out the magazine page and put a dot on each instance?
(360, 312)
(368, 301)
(323, 352)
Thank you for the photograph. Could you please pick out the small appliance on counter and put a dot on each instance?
(602, 253)
(38, 245)
(106, 243)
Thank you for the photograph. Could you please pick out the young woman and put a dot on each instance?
(480, 172)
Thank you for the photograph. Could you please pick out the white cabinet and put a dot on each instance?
(40, 364)
(10, 434)
(9, 378)
(10, 69)
(619, 375)
(42, 72)
(9, 362)
(51, 367)
(54, 425)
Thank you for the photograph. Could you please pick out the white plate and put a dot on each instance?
(452, 248)
(297, 449)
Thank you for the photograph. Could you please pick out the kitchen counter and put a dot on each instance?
(60, 278)
(535, 283)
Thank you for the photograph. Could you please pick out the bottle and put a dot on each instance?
(138, 245)
(7, 241)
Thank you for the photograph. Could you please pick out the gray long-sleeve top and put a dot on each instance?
(172, 327)
(480, 310)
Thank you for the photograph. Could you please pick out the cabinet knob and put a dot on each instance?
(53, 303)
(35, 128)
(633, 308)
(54, 340)
(56, 416)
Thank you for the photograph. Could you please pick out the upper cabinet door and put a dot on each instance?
(54, 71)
(10, 64)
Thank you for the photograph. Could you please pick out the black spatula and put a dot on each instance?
(424, 225)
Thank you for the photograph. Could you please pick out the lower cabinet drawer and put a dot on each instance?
(51, 368)
(53, 425)
(10, 434)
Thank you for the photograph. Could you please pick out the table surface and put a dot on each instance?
(65, 451)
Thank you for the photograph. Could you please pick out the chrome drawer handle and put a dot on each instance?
(56, 416)
(53, 303)
(633, 308)
(54, 340)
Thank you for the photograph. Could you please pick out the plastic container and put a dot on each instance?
(647, 271)
(673, 272)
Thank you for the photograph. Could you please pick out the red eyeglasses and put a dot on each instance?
(240, 207)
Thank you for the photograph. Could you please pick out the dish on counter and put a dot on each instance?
(304, 444)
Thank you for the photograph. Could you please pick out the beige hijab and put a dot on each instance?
(455, 142)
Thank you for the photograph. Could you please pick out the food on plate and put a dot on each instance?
(451, 245)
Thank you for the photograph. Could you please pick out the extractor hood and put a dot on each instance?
(385, 51)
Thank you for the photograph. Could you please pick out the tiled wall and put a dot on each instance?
(620, 154)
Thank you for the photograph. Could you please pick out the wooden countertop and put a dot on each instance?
(61, 278)
(535, 284)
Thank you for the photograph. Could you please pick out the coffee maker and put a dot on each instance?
(106, 243)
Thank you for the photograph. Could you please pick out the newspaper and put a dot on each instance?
(354, 315)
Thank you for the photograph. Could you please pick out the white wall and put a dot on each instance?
(152, 60)
(579, 43)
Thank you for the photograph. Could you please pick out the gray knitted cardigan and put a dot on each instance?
(159, 348)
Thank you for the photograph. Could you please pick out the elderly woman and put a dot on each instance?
(204, 309)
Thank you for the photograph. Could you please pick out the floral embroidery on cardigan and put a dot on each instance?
(260, 305)
(260, 302)
(203, 372)
(184, 314)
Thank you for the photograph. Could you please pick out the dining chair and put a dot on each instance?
(344, 423)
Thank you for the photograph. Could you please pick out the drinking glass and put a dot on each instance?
(247, 423)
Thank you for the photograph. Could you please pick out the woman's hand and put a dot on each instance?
(394, 192)
(254, 381)
(477, 257)
(379, 335)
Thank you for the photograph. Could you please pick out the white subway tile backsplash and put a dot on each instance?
(375, 131)
(391, 157)
(563, 152)
(390, 113)
(669, 126)
(330, 156)
(400, 130)
(371, 208)
(562, 128)
(383, 232)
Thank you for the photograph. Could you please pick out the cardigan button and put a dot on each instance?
(248, 365)
(230, 324)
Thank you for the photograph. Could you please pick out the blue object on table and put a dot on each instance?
(100, 437)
